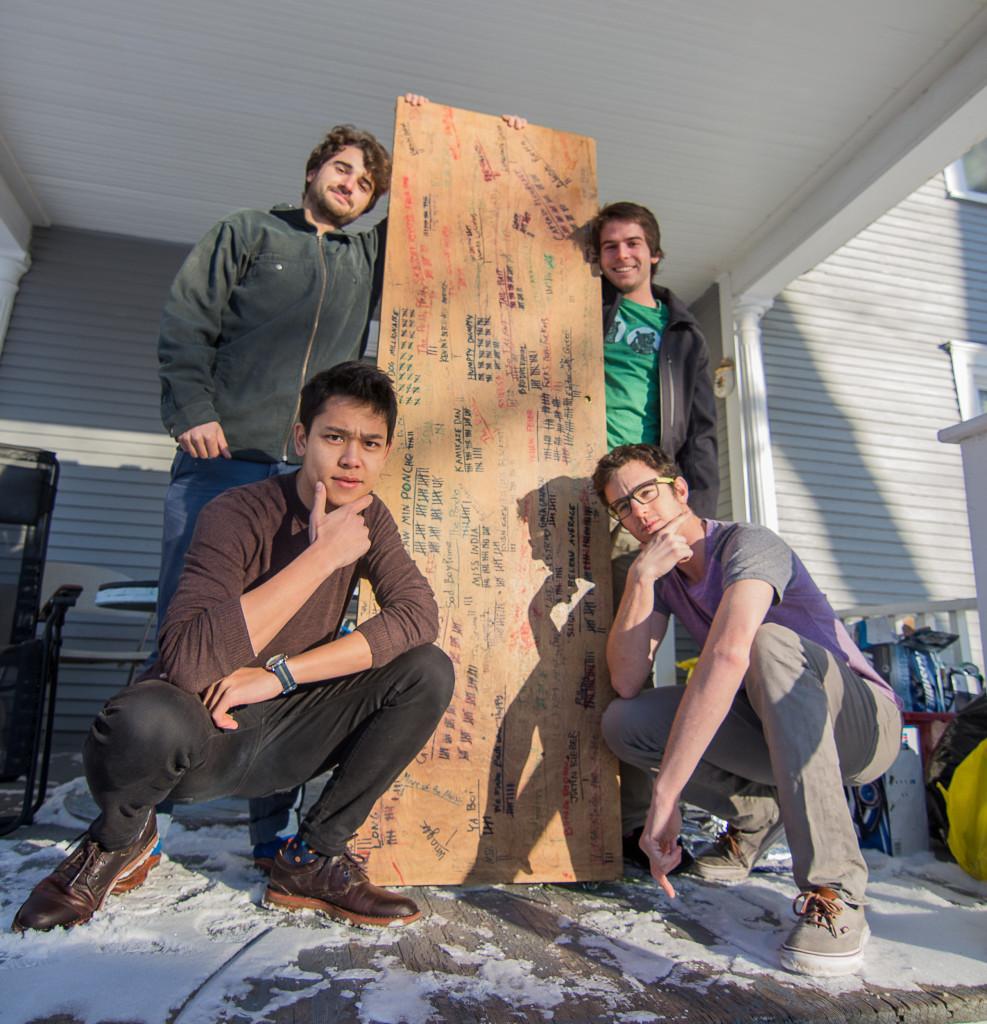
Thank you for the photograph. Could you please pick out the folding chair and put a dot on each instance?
(106, 614)
(28, 661)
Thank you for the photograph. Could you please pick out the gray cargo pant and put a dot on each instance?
(803, 725)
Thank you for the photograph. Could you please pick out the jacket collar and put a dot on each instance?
(678, 312)
(295, 217)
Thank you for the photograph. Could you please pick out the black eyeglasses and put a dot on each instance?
(643, 494)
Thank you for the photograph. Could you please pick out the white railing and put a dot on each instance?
(948, 615)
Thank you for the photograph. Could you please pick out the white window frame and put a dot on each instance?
(957, 185)
(970, 374)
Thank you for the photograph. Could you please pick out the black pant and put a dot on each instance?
(153, 742)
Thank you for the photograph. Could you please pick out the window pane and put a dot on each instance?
(975, 168)
(982, 398)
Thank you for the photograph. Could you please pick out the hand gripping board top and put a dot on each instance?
(491, 331)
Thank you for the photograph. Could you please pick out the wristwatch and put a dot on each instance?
(279, 666)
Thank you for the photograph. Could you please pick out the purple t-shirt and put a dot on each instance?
(743, 551)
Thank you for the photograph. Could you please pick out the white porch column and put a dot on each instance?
(12, 269)
(15, 239)
(757, 502)
(971, 436)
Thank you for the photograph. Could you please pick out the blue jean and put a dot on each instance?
(194, 483)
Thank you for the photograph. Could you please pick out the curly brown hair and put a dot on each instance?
(375, 157)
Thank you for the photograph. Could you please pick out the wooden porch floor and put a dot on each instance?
(193, 945)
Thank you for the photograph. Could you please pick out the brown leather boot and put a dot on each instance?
(303, 879)
(78, 887)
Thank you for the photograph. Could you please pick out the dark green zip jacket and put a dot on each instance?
(260, 304)
(687, 408)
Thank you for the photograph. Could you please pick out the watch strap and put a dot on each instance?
(279, 666)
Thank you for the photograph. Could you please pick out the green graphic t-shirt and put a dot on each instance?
(630, 367)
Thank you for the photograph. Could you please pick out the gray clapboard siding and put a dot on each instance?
(78, 375)
(858, 387)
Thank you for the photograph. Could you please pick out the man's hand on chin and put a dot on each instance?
(340, 536)
(245, 686)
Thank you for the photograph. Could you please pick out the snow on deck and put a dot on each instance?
(194, 945)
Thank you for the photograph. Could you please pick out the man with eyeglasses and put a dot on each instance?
(781, 711)
(658, 391)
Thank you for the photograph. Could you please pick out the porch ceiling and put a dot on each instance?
(730, 120)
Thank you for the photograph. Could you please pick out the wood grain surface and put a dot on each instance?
(490, 329)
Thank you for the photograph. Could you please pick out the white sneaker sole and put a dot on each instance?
(821, 965)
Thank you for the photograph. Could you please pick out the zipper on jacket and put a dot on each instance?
(309, 347)
(671, 398)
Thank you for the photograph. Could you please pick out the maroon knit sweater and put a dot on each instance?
(243, 538)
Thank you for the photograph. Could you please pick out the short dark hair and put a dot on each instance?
(662, 464)
(361, 381)
(375, 157)
(634, 212)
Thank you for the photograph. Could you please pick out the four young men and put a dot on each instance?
(255, 692)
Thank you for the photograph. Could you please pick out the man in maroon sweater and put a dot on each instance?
(255, 691)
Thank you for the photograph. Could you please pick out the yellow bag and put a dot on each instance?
(966, 806)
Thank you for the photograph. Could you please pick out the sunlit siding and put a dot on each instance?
(858, 386)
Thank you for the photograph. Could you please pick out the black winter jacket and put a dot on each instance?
(259, 305)
(686, 404)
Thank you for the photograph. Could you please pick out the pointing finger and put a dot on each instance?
(663, 881)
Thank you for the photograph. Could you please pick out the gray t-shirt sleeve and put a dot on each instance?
(752, 552)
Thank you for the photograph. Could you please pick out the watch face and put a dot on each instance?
(272, 663)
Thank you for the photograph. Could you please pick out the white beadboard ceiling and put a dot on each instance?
(725, 116)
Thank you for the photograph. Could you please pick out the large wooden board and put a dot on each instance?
(490, 329)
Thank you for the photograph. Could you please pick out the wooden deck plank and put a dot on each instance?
(574, 936)
(525, 924)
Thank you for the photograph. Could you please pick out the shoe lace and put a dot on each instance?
(727, 841)
(818, 909)
(359, 860)
(89, 857)
(347, 864)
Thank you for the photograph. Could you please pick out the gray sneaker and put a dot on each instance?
(829, 938)
(734, 854)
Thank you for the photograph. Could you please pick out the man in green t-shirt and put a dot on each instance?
(658, 392)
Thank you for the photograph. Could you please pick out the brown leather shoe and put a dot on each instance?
(78, 887)
(303, 879)
(137, 877)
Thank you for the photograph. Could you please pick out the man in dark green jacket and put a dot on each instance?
(265, 300)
